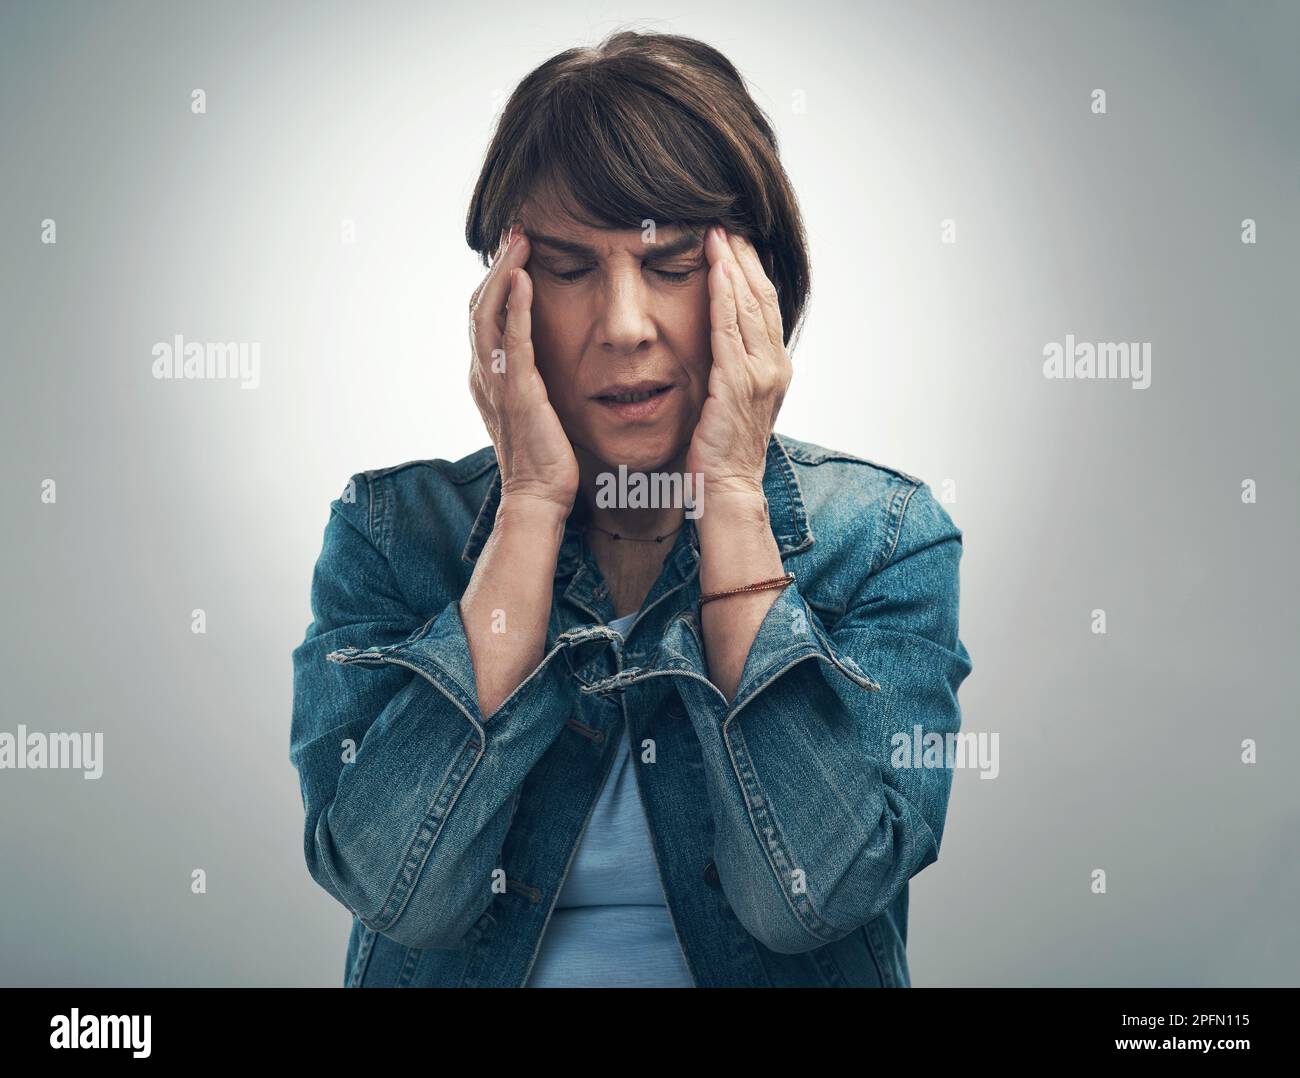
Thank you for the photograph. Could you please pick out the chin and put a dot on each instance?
(642, 451)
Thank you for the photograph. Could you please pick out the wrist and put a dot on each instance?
(529, 511)
(736, 543)
(738, 485)
(732, 507)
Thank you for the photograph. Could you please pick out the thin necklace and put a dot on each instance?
(635, 539)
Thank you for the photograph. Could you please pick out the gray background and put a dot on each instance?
(1118, 751)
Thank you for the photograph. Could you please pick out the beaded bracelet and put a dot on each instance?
(775, 582)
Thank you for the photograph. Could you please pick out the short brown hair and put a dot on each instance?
(645, 125)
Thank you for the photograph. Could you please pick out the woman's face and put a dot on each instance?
(611, 309)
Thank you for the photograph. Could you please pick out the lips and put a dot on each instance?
(643, 407)
(632, 392)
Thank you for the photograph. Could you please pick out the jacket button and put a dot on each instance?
(711, 876)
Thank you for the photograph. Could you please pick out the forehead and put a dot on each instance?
(542, 221)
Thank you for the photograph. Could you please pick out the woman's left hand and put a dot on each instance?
(751, 370)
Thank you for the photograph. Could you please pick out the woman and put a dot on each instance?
(557, 720)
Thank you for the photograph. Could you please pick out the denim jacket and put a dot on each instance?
(784, 830)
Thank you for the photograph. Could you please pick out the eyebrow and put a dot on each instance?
(681, 245)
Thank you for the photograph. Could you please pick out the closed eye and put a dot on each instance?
(675, 276)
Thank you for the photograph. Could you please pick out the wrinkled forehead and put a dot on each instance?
(544, 222)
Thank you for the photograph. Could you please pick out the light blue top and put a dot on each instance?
(610, 927)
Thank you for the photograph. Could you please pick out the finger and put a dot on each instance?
(474, 315)
(517, 338)
(760, 285)
(724, 326)
(487, 315)
(488, 299)
(749, 311)
(492, 266)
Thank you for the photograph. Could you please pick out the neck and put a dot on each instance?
(601, 499)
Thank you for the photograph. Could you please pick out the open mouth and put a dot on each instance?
(642, 406)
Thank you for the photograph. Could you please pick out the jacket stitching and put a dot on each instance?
(876, 946)
(413, 955)
(435, 818)
(433, 821)
(771, 837)
(370, 510)
(386, 503)
(801, 452)
(814, 922)
(463, 471)
(797, 507)
(898, 528)
(829, 968)
(361, 963)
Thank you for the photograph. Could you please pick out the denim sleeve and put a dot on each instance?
(819, 825)
(408, 790)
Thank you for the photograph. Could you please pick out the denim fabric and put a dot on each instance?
(784, 835)
(610, 926)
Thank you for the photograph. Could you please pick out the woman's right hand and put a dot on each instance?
(533, 452)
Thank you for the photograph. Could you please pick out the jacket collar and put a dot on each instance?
(785, 510)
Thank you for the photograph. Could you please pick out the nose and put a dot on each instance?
(625, 323)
